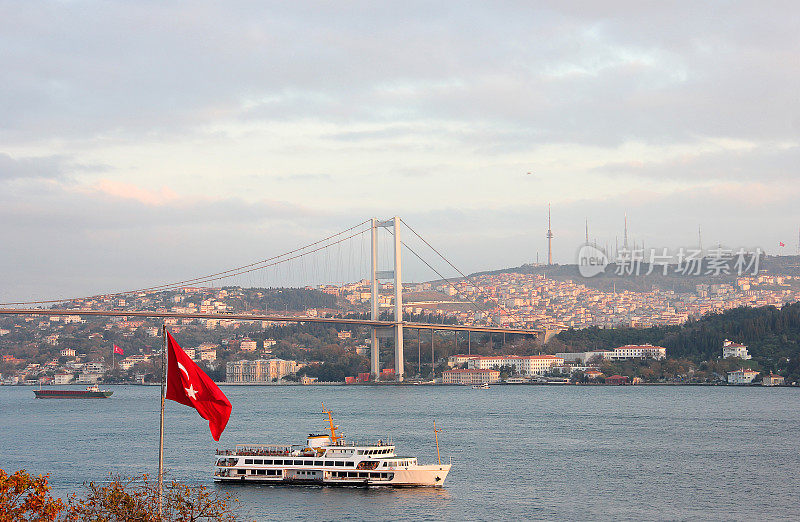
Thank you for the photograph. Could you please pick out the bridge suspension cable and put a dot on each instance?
(501, 307)
(240, 270)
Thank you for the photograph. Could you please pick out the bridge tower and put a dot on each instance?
(397, 275)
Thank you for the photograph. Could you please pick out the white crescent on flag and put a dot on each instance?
(184, 370)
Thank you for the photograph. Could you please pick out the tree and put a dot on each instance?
(23, 497)
(27, 498)
(137, 499)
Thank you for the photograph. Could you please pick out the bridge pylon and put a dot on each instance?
(375, 276)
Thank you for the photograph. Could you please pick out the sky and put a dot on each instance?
(147, 142)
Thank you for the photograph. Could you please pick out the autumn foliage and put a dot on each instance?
(23, 497)
(27, 498)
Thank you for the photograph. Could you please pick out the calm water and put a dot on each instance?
(537, 452)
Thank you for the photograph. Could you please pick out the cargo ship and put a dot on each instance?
(91, 392)
(327, 460)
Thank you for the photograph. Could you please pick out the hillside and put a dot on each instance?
(771, 334)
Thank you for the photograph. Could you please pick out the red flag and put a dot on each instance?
(781, 243)
(118, 350)
(189, 385)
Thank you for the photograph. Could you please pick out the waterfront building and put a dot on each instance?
(773, 380)
(62, 378)
(522, 364)
(741, 376)
(617, 380)
(644, 351)
(470, 376)
(585, 357)
(732, 349)
(260, 370)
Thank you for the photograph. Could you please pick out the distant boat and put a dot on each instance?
(91, 392)
(484, 386)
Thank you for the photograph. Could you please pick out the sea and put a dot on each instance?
(518, 452)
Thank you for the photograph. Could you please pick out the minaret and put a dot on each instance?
(549, 238)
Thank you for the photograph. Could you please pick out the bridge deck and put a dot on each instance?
(275, 318)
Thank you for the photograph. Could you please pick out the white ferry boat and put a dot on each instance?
(328, 460)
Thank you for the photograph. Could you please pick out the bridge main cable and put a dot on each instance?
(258, 265)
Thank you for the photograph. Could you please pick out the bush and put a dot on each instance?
(23, 497)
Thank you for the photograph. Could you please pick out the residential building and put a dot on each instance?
(248, 345)
(645, 351)
(67, 352)
(732, 349)
(742, 376)
(522, 364)
(89, 378)
(94, 367)
(62, 378)
(470, 376)
(773, 380)
(260, 370)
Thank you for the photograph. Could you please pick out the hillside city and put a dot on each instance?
(78, 348)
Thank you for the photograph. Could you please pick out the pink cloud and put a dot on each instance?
(130, 191)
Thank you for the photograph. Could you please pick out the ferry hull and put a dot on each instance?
(432, 476)
(71, 394)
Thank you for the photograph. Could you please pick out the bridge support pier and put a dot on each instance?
(375, 366)
(397, 275)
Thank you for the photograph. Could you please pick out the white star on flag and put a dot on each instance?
(191, 392)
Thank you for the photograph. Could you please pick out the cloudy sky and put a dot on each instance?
(144, 142)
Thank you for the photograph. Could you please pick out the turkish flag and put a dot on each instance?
(189, 385)
(781, 243)
(118, 350)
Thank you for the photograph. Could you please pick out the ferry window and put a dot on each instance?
(248, 461)
(278, 462)
(298, 462)
(350, 463)
(318, 463)
(268, 462)
(258, 461)
(309, 462)
(329, 463)
(360, 452)
(262, 471)
(240, 471)
(339, 463)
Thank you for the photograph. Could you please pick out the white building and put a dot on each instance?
(67, 352)
(89, 378)
(742, 376)
(585, 357)
(522, 364)
(471, 376)
(644, 351)
(94, 367)
(248, 345)
(732, 349)
(260, 370)
(62, 378)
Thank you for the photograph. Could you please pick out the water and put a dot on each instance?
(533, 452)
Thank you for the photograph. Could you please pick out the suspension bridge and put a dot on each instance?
(379, 328)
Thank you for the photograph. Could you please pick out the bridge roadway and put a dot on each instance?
(275, 318)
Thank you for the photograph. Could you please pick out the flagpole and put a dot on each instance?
(161, 423)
